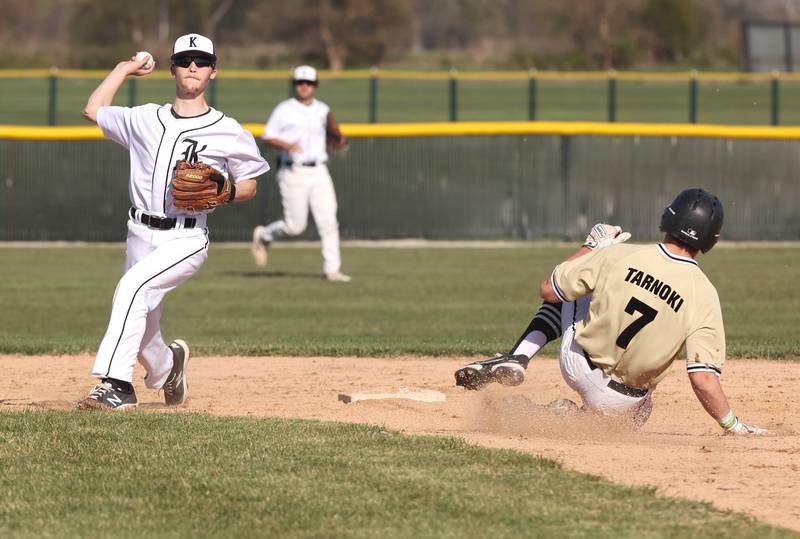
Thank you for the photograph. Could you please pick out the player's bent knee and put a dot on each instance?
(138, 292)
(295, 229)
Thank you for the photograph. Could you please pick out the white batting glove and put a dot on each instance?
(602, 235)
(732, 425)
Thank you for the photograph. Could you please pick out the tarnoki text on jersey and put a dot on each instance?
(659, 288)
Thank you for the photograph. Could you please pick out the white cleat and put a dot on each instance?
(338, 277)
(259, 247)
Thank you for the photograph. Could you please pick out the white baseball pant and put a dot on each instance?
(156, 262)
(592, 384)
(303, 188)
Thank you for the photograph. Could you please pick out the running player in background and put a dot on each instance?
(301, 127)
(165, 245)
(628, 310)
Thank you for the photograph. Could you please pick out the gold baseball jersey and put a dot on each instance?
(647, 303)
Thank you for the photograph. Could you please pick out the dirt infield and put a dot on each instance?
(680, 450)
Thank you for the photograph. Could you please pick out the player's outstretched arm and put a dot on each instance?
(710, 394)
(546, 290)
(601, 235)
(104, 94)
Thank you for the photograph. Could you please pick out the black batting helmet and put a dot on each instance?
(694, 219)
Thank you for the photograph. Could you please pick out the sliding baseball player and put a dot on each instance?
(627, 311)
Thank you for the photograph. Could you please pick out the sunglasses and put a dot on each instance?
(305, 82)
(199, 61)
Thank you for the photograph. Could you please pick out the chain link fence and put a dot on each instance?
(438, 187)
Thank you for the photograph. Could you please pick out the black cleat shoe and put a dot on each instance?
(473, 377)
(505, 369)
(511, 371)
(176, 387)
(105, 396)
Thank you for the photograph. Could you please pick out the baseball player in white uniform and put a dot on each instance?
(165, 246)
(301, 127)
(626, 313)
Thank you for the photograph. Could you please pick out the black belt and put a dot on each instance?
(305, 164)
(161, 223)
(616, 386)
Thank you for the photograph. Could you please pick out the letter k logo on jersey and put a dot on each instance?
(190, 154)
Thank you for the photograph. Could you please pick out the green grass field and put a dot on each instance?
(190, 475)
(72, 474)
(25, 101)
(402, 301)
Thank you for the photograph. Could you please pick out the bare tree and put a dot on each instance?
(344, 33)
(335, 50)
(212, 22)
(137, 35)
(415, 26)
(162, 35)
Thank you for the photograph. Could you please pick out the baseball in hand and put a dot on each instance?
(141, 55)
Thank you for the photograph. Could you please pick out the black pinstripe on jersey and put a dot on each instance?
(168, 176)
(160, 142)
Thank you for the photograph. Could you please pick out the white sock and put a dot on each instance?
(531, 344)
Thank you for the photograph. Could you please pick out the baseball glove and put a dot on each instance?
(198, 187)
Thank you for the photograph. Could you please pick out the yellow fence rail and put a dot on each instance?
(438, 129)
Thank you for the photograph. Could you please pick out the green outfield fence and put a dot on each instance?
(57, 97)
(523, 180)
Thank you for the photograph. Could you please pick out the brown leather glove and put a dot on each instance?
(198, 187)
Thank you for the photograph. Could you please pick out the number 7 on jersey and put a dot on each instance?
(648, 315)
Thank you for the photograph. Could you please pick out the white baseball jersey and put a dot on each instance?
(296, 123)
(157, 261)
(307, 183)
(157, 138)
